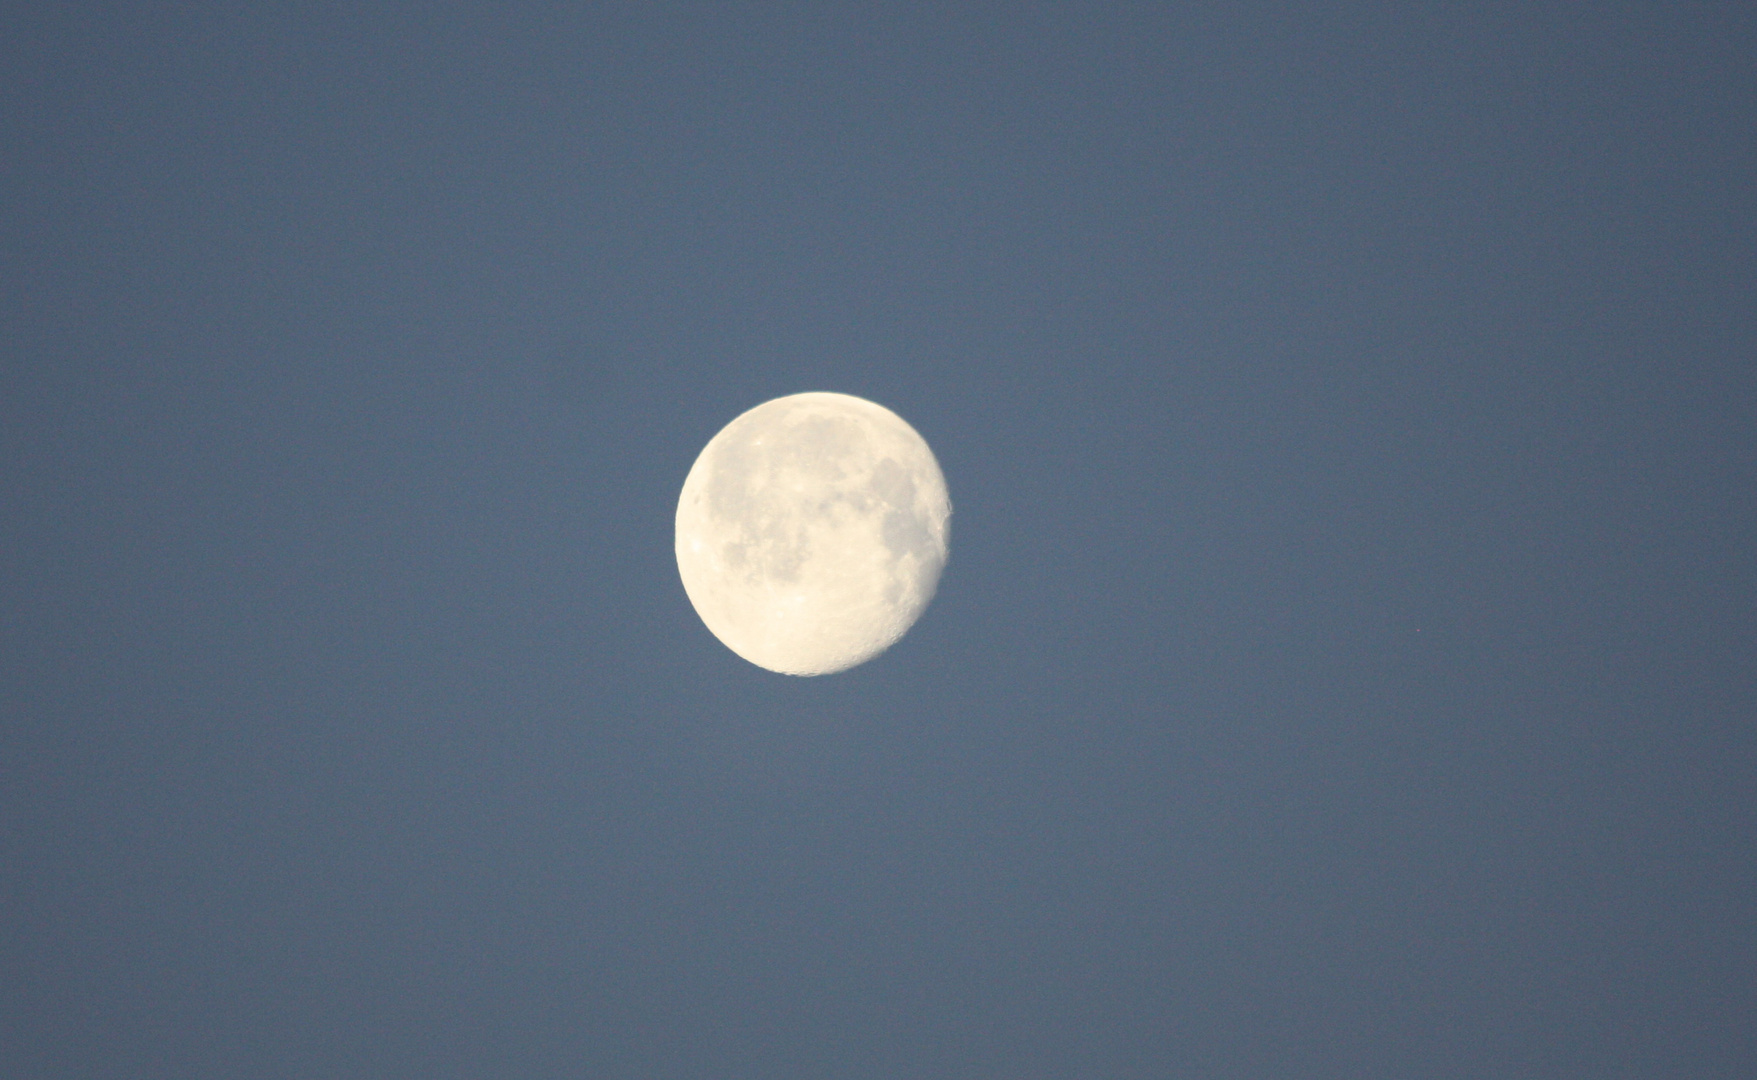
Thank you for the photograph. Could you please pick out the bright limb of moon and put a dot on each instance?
(811, 532)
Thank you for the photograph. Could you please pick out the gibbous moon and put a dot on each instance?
(811, 532)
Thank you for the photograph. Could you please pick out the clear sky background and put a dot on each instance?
(1347, 665)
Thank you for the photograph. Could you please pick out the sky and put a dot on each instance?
(1347, 661)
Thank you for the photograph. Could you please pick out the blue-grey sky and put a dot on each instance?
(1346, 663)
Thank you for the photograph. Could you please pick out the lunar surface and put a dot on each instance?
(811, 532)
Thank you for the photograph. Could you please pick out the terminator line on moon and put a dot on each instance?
(811, 532)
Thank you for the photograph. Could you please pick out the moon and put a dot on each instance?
(811, 532)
